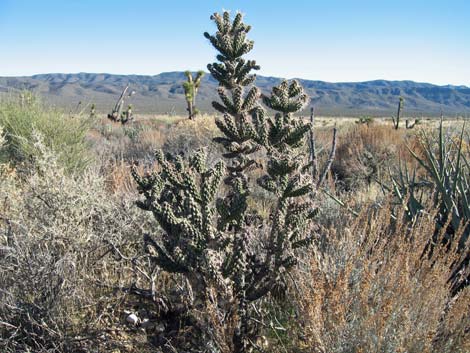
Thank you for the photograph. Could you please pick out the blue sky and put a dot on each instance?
(335, 40)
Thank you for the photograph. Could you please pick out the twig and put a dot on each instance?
(329, 162)
(313, 152)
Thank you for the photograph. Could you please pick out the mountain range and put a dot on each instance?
(163, 93)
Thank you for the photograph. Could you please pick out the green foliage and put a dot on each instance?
(93, 111)
(445, 185)
(63, 134)
(445, 159)
(412, 125)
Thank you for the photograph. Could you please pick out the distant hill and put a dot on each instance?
(163, 93)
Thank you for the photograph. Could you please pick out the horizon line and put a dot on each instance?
(208, 73)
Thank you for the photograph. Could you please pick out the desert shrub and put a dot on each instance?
(136, 141)
(113, 142)
(188, 136)
(364, 153)
(368, 120)
(64, 134)
(377, 287)
(59, 263)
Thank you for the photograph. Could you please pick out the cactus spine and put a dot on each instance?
(191, 87)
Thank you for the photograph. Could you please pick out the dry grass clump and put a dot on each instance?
(187, 136)
(377, 287)
(366, 151)
(113, 141)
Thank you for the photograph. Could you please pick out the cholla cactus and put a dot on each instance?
(209, 233)
(191, 87)
(182, 198)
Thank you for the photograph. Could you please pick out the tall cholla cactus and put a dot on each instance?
(229, 257)
(191, 87)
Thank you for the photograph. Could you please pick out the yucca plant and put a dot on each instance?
(445, 159)
(231, 257)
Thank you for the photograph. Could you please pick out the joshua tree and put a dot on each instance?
(396, 120)
(230, 256)
(191, 87)
(118, 115)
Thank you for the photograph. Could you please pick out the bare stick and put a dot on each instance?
(313, 153)
(329, 162)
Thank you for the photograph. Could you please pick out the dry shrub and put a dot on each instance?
(135, 141)
(138, 140)
(58, 267)
(365, 152)
(119, 179)
(189, 135)
(376, 287)
(152, 139)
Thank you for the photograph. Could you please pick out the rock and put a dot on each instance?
(133, 319)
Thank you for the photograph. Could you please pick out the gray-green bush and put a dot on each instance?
(58, 264)
(64, 134)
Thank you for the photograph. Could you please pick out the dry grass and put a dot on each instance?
(366, 152)
(375, 287)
